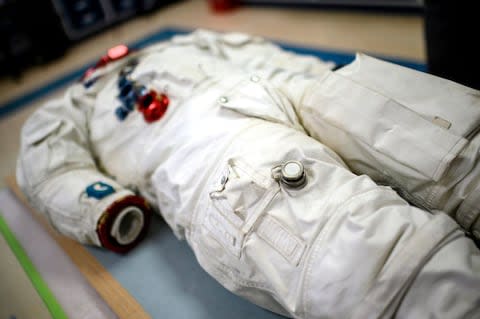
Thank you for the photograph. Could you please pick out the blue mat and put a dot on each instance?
(162, 273)
(166, 279)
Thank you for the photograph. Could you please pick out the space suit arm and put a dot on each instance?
(57, 172)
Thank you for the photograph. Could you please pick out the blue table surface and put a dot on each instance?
(164, 276)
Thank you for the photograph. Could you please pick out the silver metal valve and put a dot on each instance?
(293, 174)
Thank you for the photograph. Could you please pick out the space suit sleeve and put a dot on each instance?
(58, 174)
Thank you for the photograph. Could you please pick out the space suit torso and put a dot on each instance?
(231, 165)
(182, 148)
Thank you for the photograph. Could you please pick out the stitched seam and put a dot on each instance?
(432, 197)
(443, 161)
(292, 257)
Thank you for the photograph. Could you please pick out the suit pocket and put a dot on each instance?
(238, 199)
(453, 106)
(384, 125)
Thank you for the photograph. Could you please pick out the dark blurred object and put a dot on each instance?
(30, 32)
(221, 6)
(34, 32)
(81, 18)
(451, 32)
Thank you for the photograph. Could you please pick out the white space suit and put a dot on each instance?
(271, 166)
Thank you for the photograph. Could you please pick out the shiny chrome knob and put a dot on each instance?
(293, 174)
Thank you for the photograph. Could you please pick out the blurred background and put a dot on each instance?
(43, 40)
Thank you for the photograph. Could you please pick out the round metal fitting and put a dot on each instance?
(154, 111)
(117, 52)
(146, 99)
(223, 99)
(293, 174)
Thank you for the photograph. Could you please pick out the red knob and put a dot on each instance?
(164, 99)
(155, 110)
(145, 100)
(87, 73)
(222, 5)
(102, 61)
(117, 52)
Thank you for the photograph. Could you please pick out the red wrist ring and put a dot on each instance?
(106, 221)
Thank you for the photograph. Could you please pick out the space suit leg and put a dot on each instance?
(403, 128)
(331, 244)
(407, 129)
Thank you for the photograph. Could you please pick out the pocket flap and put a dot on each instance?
(239, 197)
(455, 106)
(385, 125)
